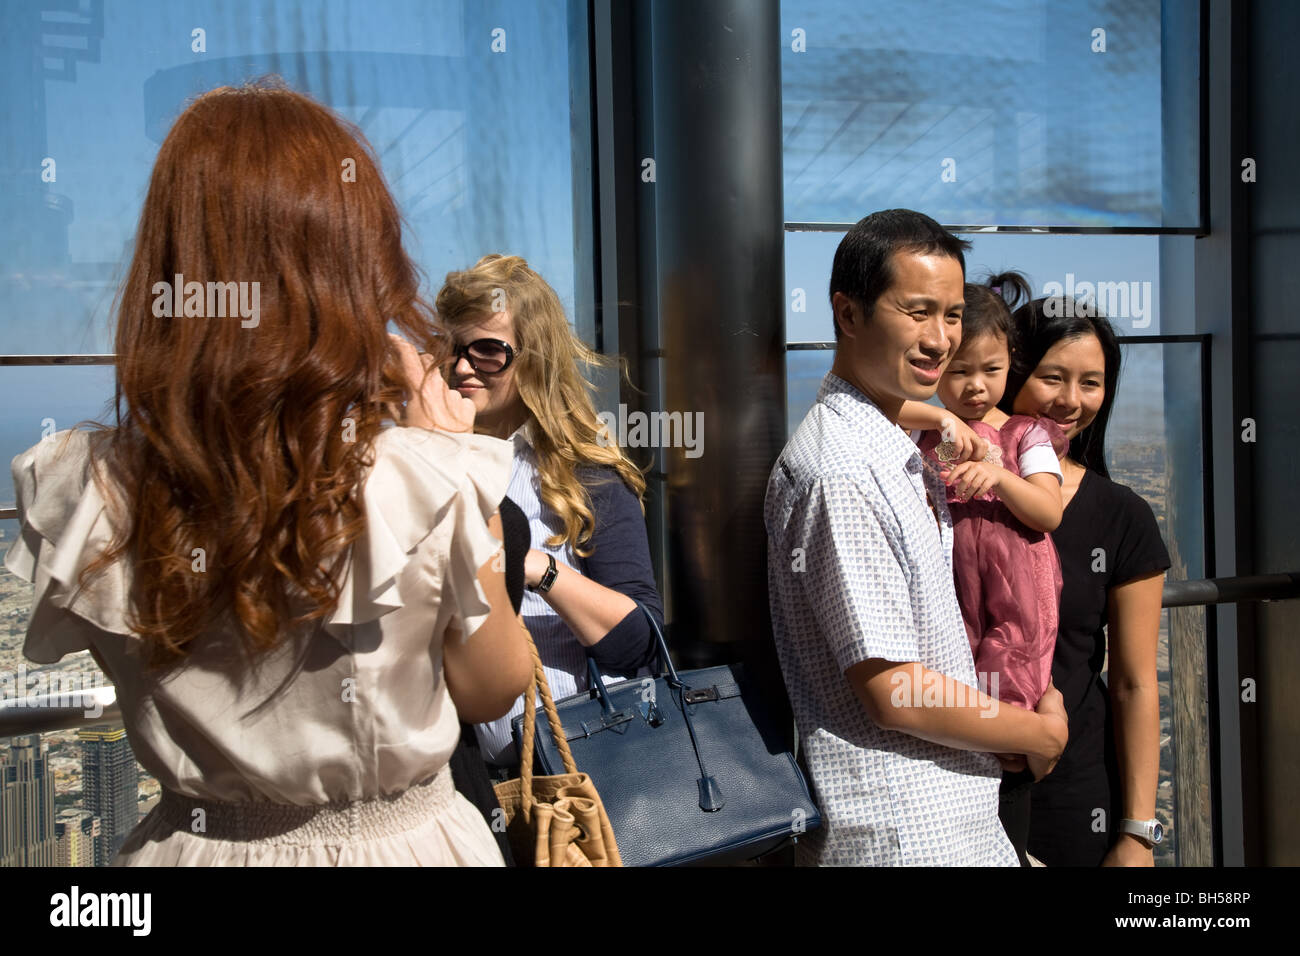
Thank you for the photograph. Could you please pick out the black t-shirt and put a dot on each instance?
(1108, 536)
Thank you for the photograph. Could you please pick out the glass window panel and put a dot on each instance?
(15, 600)
(476, 145)
(40, 400)
(1154, 445)
(804, 372)
(1005, 113)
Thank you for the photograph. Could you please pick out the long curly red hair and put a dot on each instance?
(250, 441)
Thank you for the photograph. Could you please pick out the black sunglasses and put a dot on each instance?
(485, 356)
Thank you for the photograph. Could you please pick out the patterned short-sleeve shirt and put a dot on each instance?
(859, 568)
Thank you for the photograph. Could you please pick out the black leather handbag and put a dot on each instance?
(690, 768)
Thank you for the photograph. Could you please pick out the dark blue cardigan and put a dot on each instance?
(620, 560)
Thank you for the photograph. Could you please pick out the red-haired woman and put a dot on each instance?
(298, 605)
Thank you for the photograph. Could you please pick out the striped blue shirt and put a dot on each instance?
(620, 560)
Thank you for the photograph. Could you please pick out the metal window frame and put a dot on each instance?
(31, 360)
(987, 229)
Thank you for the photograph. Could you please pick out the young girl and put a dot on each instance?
(1006, 570)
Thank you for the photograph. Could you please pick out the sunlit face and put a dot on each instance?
(900, 352)
(496, 397)
(1068, 386)
(976, 377)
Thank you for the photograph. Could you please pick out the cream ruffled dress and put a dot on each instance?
(333, 749)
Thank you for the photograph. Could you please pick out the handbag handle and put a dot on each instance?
(711, 798)
(526, 746)
(666, 669)
(665, 659)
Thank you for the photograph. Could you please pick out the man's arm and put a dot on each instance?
(860, 595)
(912, 699)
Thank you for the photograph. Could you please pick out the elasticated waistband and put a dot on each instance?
(319, 824)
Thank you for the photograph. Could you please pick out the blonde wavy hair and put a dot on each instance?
(566, 433)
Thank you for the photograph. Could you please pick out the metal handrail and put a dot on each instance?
(41, 714)
(1255, 587)
(37, 715)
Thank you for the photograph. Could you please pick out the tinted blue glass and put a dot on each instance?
(43, 400)
(476, 142)
(803, 377)
(1011, 112)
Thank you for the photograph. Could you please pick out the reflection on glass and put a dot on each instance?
(472, 127)
(1024, 112)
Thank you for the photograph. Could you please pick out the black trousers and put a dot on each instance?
(1013, 809)
(470, 774)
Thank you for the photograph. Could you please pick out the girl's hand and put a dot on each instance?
(1051, 707)
(435, 405)
(1012, 763)
(970, 479)
(968, 444)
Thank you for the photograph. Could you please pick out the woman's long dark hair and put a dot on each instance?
(1041, 324)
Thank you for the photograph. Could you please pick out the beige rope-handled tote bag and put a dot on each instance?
(553, 820)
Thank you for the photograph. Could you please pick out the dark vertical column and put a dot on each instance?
(1222, 309)
(720, 265)
(1274, 223)
(622, 133)
(582, 126)
(1193, 715)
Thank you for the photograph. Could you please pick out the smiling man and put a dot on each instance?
(898, 739)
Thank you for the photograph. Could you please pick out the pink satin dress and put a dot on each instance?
(1008, 577)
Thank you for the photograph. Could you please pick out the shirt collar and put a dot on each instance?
(890, 445)
(522, 437)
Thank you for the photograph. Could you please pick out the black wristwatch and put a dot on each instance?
(548, 576)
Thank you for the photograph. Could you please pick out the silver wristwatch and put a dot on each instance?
(1149, 832)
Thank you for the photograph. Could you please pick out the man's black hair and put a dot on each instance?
(863, 269)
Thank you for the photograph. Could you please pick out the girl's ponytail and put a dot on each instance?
(1012, 287)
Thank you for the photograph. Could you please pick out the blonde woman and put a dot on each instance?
(516, 358)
